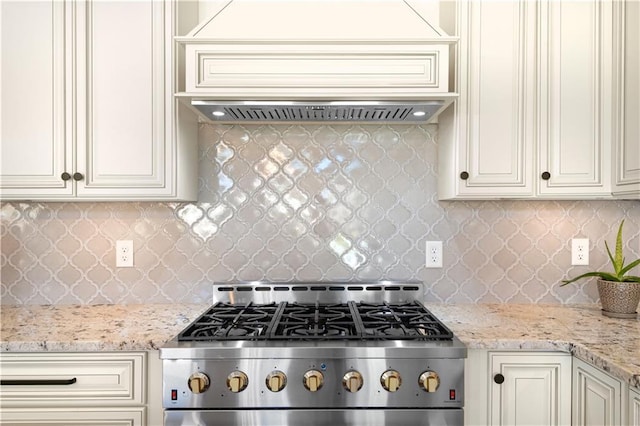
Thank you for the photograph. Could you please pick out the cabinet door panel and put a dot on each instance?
(498, 111)
(122, 140)
(35, 150)
(576, 91)
(535, 391)
(596, 397)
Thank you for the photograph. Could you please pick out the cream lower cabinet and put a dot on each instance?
(536, 114)
(114, 389)
(634, 407)
(87, 109)
(517, 388)
(598, 398)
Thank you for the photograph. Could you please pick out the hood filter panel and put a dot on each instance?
(417, 112)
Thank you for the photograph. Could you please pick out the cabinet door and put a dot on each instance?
(123, 144)
(627, 138)
(634, 407)
(35, 148)
(576, 89)
(597, 397)
(495, 109)
(534, 389)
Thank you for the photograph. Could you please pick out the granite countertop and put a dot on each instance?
(607, 343)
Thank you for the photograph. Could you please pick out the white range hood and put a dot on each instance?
(317, 60)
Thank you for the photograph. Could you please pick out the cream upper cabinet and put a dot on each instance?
(108, 128)
(626, 180)
(575, 98)
(35, 148)
(535, 113)
(486, 140)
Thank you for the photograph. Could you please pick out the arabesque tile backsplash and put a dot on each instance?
(313, 203)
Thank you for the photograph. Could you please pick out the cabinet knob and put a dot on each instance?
(498, 378)
(78, 176)
(546, 175)
(464, 175)
(65, 176)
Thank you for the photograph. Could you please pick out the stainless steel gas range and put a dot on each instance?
(275, 354)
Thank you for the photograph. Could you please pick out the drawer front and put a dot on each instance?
(76, 416)
(72, 379)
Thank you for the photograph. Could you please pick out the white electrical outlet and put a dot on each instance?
(434, 254)
(124, 253)
(580, 251)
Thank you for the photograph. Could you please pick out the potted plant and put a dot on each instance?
(619, 293)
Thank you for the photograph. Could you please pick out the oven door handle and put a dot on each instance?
(38, 382)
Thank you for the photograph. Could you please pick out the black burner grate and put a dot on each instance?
(307, 321)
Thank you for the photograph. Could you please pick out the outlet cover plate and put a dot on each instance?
(580, 251)
(434, 254)
(124, 253)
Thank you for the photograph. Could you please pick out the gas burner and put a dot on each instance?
(226, 321)
(311, 321)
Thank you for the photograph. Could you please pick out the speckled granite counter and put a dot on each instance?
(610, 344)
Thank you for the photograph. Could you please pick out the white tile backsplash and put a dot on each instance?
(310, 202)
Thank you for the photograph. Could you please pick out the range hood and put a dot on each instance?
(317, 60)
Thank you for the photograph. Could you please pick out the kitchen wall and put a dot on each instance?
(307, 203)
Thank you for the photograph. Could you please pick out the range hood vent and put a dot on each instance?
(317, 60)
(417, 112)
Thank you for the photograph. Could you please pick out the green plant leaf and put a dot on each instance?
(630, 266)
(632, 279)
(619, 260)
(613, 261)
(604, 275)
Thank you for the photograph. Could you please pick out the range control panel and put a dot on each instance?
(300, 383)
